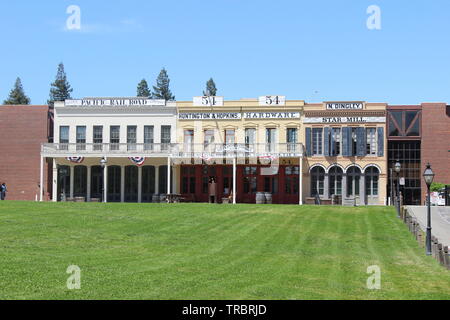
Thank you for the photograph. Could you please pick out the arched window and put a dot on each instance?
(335, 181)
(353, 178)
(317, 181)
(372, 176)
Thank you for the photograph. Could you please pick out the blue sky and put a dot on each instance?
(312, 50)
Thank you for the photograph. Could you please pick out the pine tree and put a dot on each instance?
(162, 90)
(60, 89)
(143, 90)
(17, 95)
(211, 89)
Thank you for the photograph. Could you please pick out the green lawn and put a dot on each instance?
(200, 251)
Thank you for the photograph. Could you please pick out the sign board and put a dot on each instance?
(210, 116)
(272, 115)
(344, 105)
(208, 101)
(345, 120)
(114, 102)
(272, 101)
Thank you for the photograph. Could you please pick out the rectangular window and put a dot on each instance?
(114, 137)
(64, 137)
(270, 139)
(336, 140)
(230, 137)
(81, 138)
(291, 139)
(317, 141)
(371, 141)
(97, 138)
(188, 140)
(148, 137)
(165, 137)
(250, 136)
(354, 141)
(131, 137)
(208, 138)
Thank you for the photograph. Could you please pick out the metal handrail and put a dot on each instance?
(175, 149)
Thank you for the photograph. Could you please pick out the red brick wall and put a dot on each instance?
(23, 129)
(435, 142)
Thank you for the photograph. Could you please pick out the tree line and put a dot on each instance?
(61, 89)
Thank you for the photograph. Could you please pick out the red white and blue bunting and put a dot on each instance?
(139, 161)
(75, 159)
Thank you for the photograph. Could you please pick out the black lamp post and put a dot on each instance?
(428, 176)
(103, 163)
(397, 168)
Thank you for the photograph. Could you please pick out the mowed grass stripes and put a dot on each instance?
(201, 251)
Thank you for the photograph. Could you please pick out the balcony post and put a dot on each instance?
(168, 175)
(234, 180)
(122, 183)
(72, 178)
(55, 181)
(300, 187)
(88, 184)
(41, 180)
(139, 184)
(157, 179)
(105, 184)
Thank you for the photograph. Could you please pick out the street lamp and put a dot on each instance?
(428, 176)
(103, 163)
(397, 168)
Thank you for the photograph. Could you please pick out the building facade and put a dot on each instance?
(345, 153)
(24, 129)
(249, 147)
(120, 143)
(417, 135)
(287, 150)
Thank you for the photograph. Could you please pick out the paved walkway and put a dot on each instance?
(440, 221)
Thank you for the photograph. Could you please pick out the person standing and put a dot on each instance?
(3, 191)
(212, 190)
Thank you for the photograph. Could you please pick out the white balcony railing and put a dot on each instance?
(181, 150)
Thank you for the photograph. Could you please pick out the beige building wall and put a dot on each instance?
(239, 125)
(371, 110)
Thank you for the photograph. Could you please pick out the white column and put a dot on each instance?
(234, 181)
(156, 179)
(300, 187)
(55, 182)
(168, 175)
(139, 184)
(105, 184)
(72, 178)
(362, 190)
(41, 180)
(88, 184)
(122, 183)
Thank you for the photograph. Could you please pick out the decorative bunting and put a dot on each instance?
(75, 159)
(139, 161)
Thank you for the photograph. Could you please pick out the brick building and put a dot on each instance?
(417, 135)
(24, 129)
(436, 141)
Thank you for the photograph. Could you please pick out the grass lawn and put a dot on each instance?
(200, 251)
